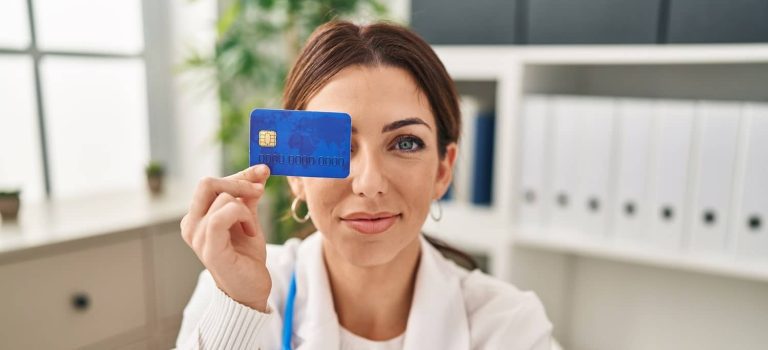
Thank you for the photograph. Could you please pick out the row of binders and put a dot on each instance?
(674, 174)
(473, 176)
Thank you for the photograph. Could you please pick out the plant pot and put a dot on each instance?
(155, 183)
(9, 207)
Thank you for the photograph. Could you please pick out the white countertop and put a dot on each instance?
(57, 221)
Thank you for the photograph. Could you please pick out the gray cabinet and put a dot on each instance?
(116, 290)
(717, 21)
(592, 21)
(74, 298)
(465, 22)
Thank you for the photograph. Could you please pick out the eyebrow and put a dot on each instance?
(399, 124)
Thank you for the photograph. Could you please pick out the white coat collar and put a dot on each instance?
(437, 319)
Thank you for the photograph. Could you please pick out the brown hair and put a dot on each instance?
(340, 44)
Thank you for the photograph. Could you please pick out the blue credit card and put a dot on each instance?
(301, 143)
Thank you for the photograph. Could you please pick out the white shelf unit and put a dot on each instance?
(653, 71)
(602, 292)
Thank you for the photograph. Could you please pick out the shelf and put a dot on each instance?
(469, 226)
(645, 54)
(489, 60)
(604, 248)
(60, 221)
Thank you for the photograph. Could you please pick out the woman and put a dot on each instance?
(368, 279)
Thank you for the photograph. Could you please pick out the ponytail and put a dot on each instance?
(449, 252)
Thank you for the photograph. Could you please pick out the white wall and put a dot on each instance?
(196, 107)
(184, 112)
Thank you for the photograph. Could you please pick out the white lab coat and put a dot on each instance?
(452, 308)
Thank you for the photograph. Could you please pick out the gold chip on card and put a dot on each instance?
(267, 138)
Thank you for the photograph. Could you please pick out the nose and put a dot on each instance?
(367, 175)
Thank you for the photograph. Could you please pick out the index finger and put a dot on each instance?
(209, 188)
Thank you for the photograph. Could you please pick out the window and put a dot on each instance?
(73, 97)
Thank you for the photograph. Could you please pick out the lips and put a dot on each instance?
(370, 223)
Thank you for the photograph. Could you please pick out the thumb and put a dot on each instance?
(258, 173)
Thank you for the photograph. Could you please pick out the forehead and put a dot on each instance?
(379, 94)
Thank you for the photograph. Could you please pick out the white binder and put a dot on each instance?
(672, 129)
(594, 168)
(462, 182)
(631, 209)
(534, 126)
(716, 142)
(750, 219)
(560, 211)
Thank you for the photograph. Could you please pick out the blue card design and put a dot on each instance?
(301, 143)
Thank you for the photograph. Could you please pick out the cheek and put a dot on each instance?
(414, 182)
(323, 195)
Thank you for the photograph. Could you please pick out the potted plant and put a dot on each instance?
(155, 174)
(10, 201)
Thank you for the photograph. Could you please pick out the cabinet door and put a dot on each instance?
(176, 270)
(72, 299)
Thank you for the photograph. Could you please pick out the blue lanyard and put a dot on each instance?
(288, 314)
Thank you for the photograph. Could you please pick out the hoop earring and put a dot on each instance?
(439, 211)
(294, 207)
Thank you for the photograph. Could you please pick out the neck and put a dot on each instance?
(373, 302)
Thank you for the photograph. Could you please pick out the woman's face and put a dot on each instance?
(395, 170)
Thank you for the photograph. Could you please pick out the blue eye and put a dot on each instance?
(409, 143)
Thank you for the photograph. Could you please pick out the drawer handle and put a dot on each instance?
(81, 301)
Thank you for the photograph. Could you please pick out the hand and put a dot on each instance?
(222, 227)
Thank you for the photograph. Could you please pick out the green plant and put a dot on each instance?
(257, 41)
(155, 168)
(10, 193)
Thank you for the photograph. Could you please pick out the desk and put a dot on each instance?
(100, 272)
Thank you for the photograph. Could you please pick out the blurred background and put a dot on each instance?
(614, 157)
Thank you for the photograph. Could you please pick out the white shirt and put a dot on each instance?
(452, 308)
(353, 341)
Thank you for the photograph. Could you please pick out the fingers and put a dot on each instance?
(217, 236)
(245, 188)
(222, 200)
(189, 227)
(209, 188)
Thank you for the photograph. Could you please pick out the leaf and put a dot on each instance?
(266, 4)
(229, 18)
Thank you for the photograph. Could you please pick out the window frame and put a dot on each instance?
(153, 16)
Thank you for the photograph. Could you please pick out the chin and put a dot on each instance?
(367, 254)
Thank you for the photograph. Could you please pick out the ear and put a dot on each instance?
(297, 186)
(445, 170)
